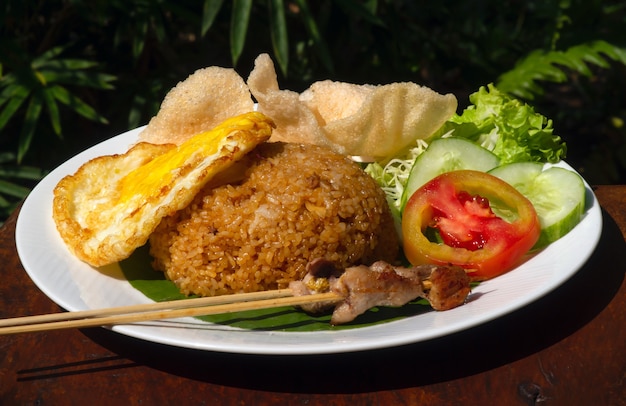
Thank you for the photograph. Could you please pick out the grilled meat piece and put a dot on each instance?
(381, 284)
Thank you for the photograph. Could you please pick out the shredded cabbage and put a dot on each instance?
(392, 177)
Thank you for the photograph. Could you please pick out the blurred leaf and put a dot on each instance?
(6, 156)
(63, 64)
(612, 51)
(209, 12)
(240, 19)
(21, 172)
(15, 98)
(45, 57)
(10, 87)
(136, 109)
(53, 111)
(278, 27)
(141, 28)
(38, 81)
(158, 25)
(79, 78)
(11, 189)
(524, 79)
(143, 101)
(311, 27)
(28, 129)
(76, 104)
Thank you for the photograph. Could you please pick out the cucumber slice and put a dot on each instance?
(446, 155)
(557, 194)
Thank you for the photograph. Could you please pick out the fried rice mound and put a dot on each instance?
(293, 203)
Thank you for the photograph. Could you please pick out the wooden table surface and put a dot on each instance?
(568, 348)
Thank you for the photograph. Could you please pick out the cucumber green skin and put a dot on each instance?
(446, 155)
(557, 194)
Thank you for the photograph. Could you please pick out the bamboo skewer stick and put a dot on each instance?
(202, 301)
(162, 310)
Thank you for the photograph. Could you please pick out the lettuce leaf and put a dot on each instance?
(508, 127)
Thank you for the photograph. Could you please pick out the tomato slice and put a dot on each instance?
(483, 224)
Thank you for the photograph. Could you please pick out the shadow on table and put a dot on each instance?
(507, 339)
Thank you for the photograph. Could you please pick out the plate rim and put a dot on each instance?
(342, 340)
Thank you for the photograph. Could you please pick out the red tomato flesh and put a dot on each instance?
(458, 205)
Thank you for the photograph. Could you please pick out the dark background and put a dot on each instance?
(139, 49)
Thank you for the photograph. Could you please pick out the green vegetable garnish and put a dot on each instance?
(508, 127)
(504, 125)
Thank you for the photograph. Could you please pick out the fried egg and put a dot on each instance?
(112, 204)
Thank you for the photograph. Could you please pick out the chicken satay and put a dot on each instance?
(381, 284)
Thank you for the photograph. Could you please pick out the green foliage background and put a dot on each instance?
(75, 72)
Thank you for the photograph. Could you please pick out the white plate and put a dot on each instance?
(76, 286)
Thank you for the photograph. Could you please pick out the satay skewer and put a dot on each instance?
(418, 287)
(162, 310)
